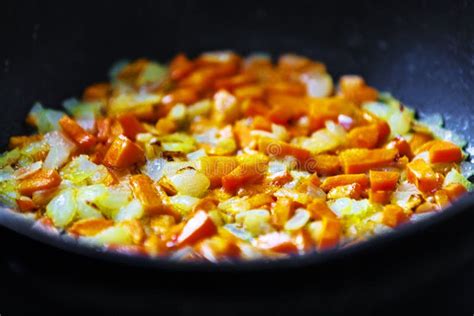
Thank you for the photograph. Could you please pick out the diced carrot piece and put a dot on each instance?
(182, 95)
(104, 129)
(442, 198)
(362, 160)
(277, 148)
(383, 131)
(282, 210)
(97, 92)
(345, 179)
(199, 79)
(422, 175)
(242, 132)
(330, 234)
(402, 146)
(233, 82)
(90, 226)
(38, 181)
(445, 152)
(417, 140)
(165, 126)
(123, 153)
(246, 173)
(285, 108)
(261, 123)
(327, 165)
(364, 136)
(278, 242)
(84, 139)
(314, 179)
(216, 167)
(145, 191)
(288, 62)
(319, 210)
(393, 215)
(249, 92)
(20, 141)
(285, 88)
(198, 227)
(131, 125)
(26, 204)
(355, 89)
(455, 191)
(180, 67)
(383, 180)
(381, 197)
(352, 191)
(303, 240)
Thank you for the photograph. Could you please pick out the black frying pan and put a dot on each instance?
(422, 52)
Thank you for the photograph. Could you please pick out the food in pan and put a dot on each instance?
(222, 157)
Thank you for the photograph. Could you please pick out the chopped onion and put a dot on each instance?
(62, 209)
(183, 203)
(60, 150)
(115, 235)
(190, 182)
(238, 232)
(28, 170)
(133, 210)
(299, 219)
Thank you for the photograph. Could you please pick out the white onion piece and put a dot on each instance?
(60, 148)
(298, 220)
(27, 171)
(190, 182)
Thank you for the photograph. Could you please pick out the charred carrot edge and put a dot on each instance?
(41, 180)
(90, 226)
(394, 215)
(123, 153)
(198, 227)
(344, 179)
(383, 180)
(84, 139)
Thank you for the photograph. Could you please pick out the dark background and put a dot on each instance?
(422, 51)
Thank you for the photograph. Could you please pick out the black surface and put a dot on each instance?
(420, 51)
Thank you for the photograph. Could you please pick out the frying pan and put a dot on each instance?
(422, 52)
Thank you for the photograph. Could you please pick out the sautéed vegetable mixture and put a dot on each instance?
(223, 157)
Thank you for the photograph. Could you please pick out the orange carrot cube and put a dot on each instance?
(383, 180)
(84, 139)
(123, 153)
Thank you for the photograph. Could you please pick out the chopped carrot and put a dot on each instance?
(38, 181)
(418, 142)
(285, 108)
(216, 167)
(422, 175)
(249, 92)
(330, 233)
(327, 165)
(364, 136)
(20, 141)
(246, 173)
(402, 146)
(381, 197)
(165, 126)
(182, 95)
(97, 92)
(285, 88)
(345, 179)
(455, 191)
(145, 191)
(233, 82)
(261, 123)
(383, 180)
(352, 191)
(314, 179)
(362, 160)
(278, 242)
(131, 126)
(104, 129)
(288, 62)
(26, 204)
(393, 215)
(199, 79)
(90, 226)
(355, 89)
(84, 139)
(319, 210)
(277, 148)
(282, 210)
(242, 133)
(218, 248)
(123, 153)
(445, 152)
(196, 228)
(180, 67)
